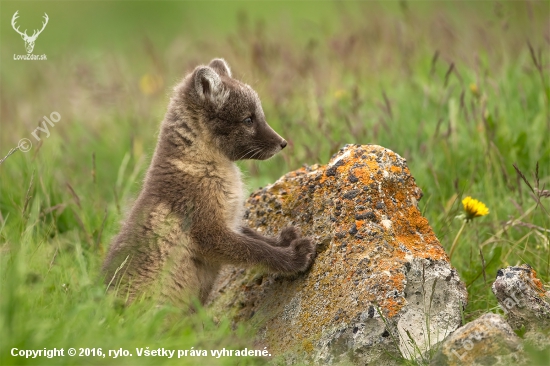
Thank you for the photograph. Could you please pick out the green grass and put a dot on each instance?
(460, 89)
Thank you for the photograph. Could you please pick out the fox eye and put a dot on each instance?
(248, 121)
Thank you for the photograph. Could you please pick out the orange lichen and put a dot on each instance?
(539, 287)
(363, 174)
(396, 169)
(307, 345)
(424, 247)
(391, 306)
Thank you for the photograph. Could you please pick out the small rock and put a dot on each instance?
(522, 297)
(526, 304)
(486, 341)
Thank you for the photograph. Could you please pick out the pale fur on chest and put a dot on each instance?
(222, 182)
(230, 196)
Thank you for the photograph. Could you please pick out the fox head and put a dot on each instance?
(213, 107)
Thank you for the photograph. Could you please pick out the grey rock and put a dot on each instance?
(381, 285)
(486, 341)
(522, 297)
(525, 302)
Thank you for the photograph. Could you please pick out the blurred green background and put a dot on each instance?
(458, 88)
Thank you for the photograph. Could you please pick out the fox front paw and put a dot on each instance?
(287, 236)
(303, 254)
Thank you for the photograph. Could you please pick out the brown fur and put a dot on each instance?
(186, 222)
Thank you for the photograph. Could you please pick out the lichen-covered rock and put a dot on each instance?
(525, 302)
(381, 285)
(487, 341)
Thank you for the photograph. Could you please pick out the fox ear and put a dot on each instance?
(221, 67)
(208, 85)
(207, 82)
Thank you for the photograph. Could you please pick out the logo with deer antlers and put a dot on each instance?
(29, 40)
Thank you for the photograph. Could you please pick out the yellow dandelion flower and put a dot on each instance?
(474, 208)
(150, 84)
(474, 89)
(340, 94)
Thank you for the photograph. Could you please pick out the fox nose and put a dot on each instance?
(283, 144)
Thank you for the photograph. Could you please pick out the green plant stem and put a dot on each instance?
(453, 247)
